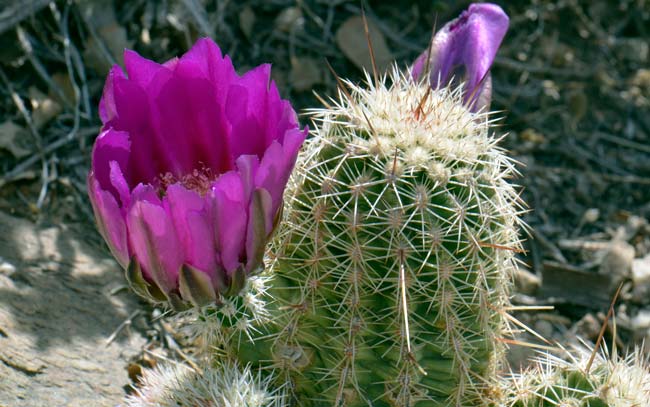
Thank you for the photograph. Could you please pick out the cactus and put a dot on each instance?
(605, 382)
(224, 386)
(392, 271)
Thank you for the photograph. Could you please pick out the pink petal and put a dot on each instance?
(228, 211)
(110, 221)
(190, 122)
(153, 239)
(213, 66)
(141, 70)
(471, 41)
(107, 109)
(190, 218)
(110, 146)
(277, 164)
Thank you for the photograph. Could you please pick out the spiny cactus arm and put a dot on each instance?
(226, 385)
(612, 381)
(219, 329)
(394, 262)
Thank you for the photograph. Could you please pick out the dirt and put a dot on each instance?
(60, 302)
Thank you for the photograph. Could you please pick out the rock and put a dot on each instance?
(617, 262)
(526, 282)
(55, 321)
(588, 327)
(290, 19)
(640, 325)
(641, 280)
(544, 328)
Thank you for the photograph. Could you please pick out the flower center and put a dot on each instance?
(199, 180)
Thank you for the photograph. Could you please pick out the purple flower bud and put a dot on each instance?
(189, 170)
(470, 42)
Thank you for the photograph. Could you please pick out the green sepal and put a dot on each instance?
(140, 286)
(261, 203)
(195, 286)
(277, 219)
(237, 282)
(177, 303)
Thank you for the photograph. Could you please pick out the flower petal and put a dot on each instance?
(213, 66)
(110, 221)
(141, 70)
(190, 218)
(190, 121)
(110, 146)
(471, 41)
(229, 213)
(277, 164)
(155, 244)
(107, 109)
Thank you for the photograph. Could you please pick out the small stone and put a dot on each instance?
(591, 215)
(13, 138)
(641, 280)
(588, 327)
(544, 328)
(289, 19)
(640, 324)
(526, 282)
(617, 262)
(6, 267)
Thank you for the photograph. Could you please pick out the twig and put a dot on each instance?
(23, 166)
(127, 322)
(603, 328)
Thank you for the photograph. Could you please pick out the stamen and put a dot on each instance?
(199, 180)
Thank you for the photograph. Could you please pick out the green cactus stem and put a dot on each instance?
(392, 270)
(576, 382)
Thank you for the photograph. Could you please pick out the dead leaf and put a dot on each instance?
(305, 73)
(351, 39)
(13, 139)
(247, 21)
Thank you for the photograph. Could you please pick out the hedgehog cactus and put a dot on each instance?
(393, 268)
(604, 382)
(393, 274)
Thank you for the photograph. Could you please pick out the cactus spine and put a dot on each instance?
(393, 268)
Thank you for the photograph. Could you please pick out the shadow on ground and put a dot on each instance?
(59, 303)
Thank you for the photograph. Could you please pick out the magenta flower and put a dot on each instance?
(470, 42)
(189, 170)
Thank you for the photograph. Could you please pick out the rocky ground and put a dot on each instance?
(571, 83)
(66, 319)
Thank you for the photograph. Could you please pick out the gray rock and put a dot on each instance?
(617, 261)
(641, 280)
(526, 282)
(56, 313)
